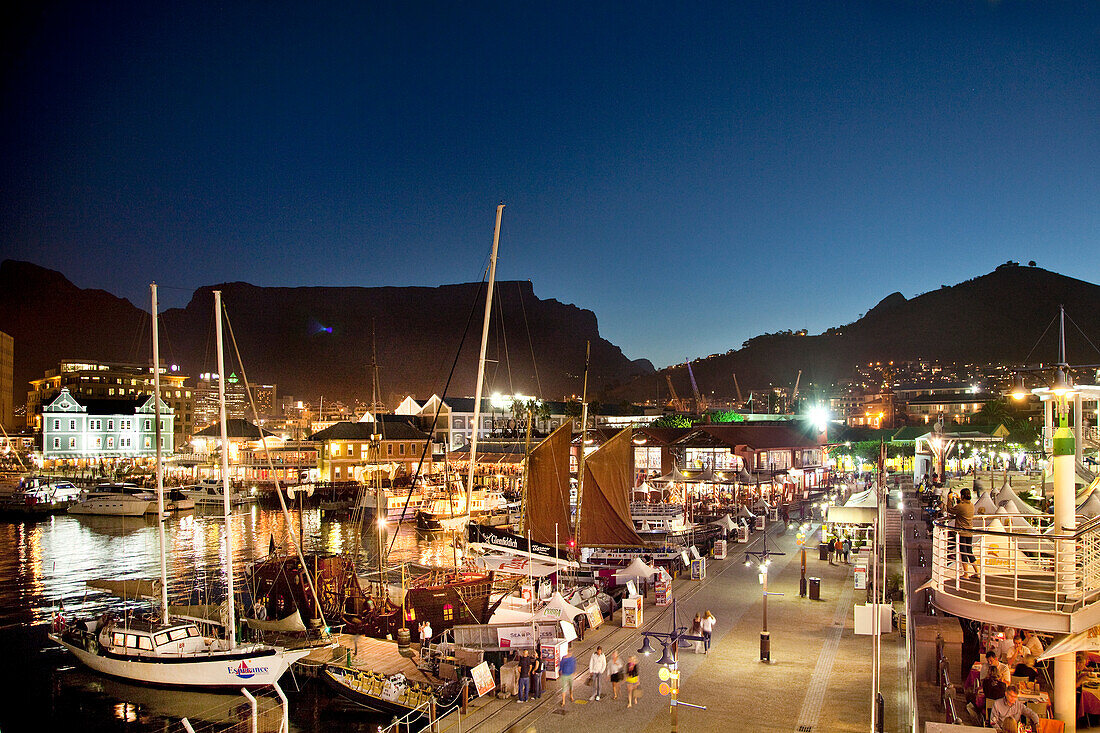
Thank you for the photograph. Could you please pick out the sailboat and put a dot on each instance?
(160, 650)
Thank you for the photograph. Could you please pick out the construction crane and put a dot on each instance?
(740, 399)
(674, 401)
(700, 401)
(794, 395)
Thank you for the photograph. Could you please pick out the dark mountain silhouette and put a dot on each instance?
(317, 340)
(996, 318)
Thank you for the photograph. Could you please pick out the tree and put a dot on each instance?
(671, 420)
(573, 408)
(726, 416)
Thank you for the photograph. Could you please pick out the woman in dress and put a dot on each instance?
(615, 670)
(697, 630)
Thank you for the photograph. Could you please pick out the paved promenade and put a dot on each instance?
(819, 678)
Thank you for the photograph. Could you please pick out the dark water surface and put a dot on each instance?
(46, 561)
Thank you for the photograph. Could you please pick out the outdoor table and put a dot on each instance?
(1088, 702)
(1039, 702)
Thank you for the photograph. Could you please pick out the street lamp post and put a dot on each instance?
(763, 556)
(670, 672)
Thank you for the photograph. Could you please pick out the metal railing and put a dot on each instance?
(1018, 561)
(947, 690)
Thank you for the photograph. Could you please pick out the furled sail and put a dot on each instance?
(547, 502)
(605, 502)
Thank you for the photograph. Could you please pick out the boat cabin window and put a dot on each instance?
(177, 634)
(144, 642)
(132, 641)
(192, 631)
(118, 639)
(161, 639)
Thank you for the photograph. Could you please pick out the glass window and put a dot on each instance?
(144, 642)
(110, 424)
(72, 425)
(389, 449)
(56, 424)
(401, 449)
(161, 639)
(148, 424)
(57, 442)
(177, 634)
(192, 631)
(118, 639)
(110, 442)
(72, 443)
(132, 641)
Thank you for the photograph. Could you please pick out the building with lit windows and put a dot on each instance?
(7, 381)
(113, 380)
(85, 431)
(345, 449)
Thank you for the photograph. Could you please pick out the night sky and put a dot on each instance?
(693, 174)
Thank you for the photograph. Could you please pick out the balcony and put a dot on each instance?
(1027, 576)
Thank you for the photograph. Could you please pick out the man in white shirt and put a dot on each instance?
(991, 667)
(1031, 641)
(597, 666)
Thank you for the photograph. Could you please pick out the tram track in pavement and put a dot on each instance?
(621, 637)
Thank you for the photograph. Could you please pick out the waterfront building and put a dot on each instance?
(207, 405)
(85, 431)
(454, 428)
(110, 380)
(7, 381)
(345, 452)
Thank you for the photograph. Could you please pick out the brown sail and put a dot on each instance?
(546, 506)
(605, 501)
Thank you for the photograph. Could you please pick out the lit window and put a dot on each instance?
(448, 612)
(110, 442)
(72, 443)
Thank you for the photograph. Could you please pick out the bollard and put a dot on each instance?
(765, 646)
(880, 712)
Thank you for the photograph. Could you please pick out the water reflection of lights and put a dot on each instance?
(126, 712)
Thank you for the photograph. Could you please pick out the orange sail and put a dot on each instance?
(547, 500)
(605, 501)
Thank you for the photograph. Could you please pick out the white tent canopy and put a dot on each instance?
(673, 475)
(861, 508)
(1090, 507)
(706, 476)
(558, 607)
(644, 488)
(725, 523)
(985, 504)
(744, 513)
(636, 570)
(1018, 505)
(1084, 641)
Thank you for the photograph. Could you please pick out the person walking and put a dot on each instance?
(708, 627)
(597, 667)
(846, 546)
(567, 667)
(615, 671)
(697, 630)
(631, 673)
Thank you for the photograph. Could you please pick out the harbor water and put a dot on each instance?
(45, 563)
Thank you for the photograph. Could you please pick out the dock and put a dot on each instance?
(364, 653)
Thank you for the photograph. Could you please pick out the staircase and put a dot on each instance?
(893, 534)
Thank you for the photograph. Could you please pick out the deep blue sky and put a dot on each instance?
(695, 175)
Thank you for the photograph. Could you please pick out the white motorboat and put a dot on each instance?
(120, 500)
(209, 492)
(39, 496)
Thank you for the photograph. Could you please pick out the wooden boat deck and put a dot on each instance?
(367, 654)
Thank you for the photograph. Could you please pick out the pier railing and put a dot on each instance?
(1016, 566)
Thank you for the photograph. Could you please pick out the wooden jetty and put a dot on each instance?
(364, 653)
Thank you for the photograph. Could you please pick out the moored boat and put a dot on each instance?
(120, 500)
(39, 496)
(410, 701)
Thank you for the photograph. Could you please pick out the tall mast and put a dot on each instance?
(580, 452)
(231, 626)
(481, 360)
(160, 467)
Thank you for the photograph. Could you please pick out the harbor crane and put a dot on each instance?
(674, 399)
(700, 401)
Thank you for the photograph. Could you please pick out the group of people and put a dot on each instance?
(1010, 653)
(840, 549)
(601, 670)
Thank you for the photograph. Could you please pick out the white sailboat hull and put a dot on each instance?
(241, 668)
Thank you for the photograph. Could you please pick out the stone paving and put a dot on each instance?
(819, 677)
